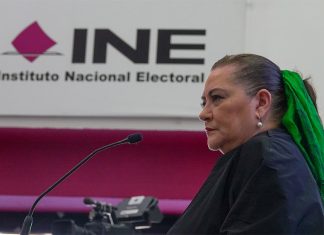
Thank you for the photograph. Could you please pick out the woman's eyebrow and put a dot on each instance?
(211, 92)
(217, 90)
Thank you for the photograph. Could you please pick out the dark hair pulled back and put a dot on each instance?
(256, 72)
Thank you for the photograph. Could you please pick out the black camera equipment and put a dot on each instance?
(130, 215)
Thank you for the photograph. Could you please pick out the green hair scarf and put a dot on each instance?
(304, 125)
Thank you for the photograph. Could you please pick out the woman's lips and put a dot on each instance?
(208, 129)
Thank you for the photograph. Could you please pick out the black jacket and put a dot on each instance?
(261, 187)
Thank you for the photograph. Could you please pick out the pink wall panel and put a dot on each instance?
(166, 164)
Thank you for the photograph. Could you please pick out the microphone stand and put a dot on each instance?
(28, 221)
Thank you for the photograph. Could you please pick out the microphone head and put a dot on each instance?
(134, 138)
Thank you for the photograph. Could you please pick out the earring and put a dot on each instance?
(260, 124)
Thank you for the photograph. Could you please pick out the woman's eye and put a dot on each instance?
(216, 98)
(213, 98)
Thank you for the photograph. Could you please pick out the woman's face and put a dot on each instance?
(230, 115)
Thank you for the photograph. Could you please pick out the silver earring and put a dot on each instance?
(259, 124)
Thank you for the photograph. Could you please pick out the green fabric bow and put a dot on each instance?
(304, 125)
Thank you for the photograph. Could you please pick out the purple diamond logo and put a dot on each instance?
(33, 42)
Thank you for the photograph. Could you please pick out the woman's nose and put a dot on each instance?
(205, 114)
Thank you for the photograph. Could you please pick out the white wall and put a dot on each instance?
(104, 122)
(289, 32)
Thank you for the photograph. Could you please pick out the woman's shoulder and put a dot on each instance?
(277, 135)
(271, 155)
(273, 141)
(271, 148)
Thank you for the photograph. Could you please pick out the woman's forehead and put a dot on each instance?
(220, 77)
(226, 71)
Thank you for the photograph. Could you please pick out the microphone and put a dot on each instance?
(134, 138)
(28, 221)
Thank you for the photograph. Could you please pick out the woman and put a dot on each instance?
(270, 179)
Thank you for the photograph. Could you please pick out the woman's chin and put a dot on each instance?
(213, 147)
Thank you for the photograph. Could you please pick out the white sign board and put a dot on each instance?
(112, 58)
(291, 34)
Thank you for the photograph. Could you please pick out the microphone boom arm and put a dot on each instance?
(27, 224)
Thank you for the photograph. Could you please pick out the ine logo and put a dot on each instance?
(32, 42)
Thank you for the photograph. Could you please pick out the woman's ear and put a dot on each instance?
(264, 99)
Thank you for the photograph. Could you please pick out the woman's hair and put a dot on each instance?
(255, 72)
